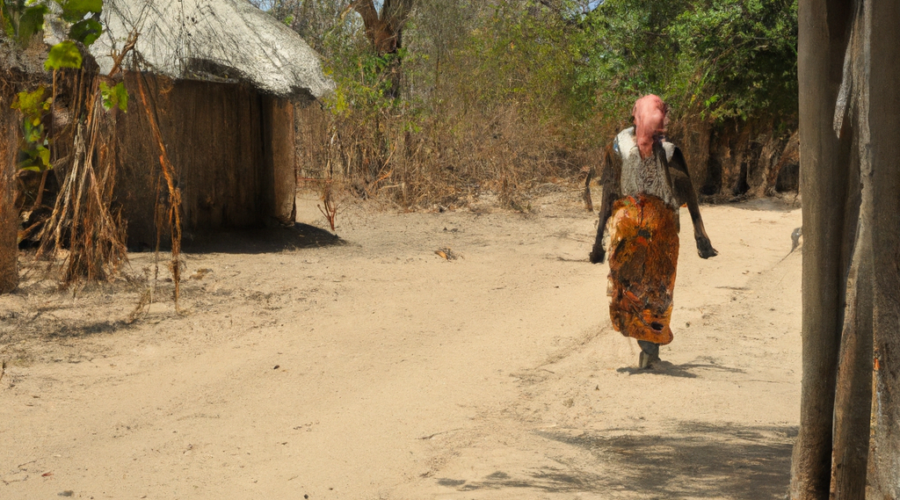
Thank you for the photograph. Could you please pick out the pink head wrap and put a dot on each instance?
(650, 121)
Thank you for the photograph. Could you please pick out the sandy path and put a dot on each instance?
(377, 369)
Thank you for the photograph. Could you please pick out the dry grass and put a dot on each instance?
(444, 160)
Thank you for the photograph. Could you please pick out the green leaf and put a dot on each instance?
(30, 103)
(31, 22)
(63, 55)
(44, 155)
(33, 133)
(7, 23)
(75, 10)
(122, 96)
(86, 32)
(116, 96)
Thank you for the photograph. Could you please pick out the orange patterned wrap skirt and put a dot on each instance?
(642, 262)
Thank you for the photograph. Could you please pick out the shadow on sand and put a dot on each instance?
(696, 460)
(687, 370)
(258, 241)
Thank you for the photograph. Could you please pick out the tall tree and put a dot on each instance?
(385, 32)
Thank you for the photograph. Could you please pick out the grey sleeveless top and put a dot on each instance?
(643, 176)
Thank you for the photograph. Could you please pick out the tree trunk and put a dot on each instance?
(9, 217)
(853, 401)
(853, 405)
(884, 94)
(385, 32)
(824, 183)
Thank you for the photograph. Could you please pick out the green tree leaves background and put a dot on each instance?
(21, 21)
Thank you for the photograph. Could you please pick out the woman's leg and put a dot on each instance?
(649, 354)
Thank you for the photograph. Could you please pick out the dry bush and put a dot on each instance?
(84, 238)
(482, 108)
(447, 159)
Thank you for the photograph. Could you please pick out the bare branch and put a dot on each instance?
(396, 12)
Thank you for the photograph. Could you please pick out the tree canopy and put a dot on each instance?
(559, 75)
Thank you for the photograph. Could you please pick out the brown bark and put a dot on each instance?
(824, 180)
(378, 31)
(854, 383)
(9, 250)
(789, 155)
(853, 403)
(885, 150)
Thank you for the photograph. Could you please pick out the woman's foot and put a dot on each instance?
(649, 354)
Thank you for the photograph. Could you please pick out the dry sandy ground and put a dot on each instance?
(376, 369)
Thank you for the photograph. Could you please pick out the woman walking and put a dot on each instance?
(643, 193)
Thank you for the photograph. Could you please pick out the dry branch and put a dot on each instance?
(83, 238)
(168, 171)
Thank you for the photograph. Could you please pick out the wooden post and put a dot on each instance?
(884, 95)
(9, 217)
(824, 28)
(853, 400)
(278, 183)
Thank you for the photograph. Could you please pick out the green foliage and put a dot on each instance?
(531, 83)
(63, 55)
(531, 53)
(749, 52)
(75, 10)
(579, 64)
(718, 59)
(724, 59)
(22, 19)
(86, 31)
(367, 87)
(116, 96)
(35, 148)
(32, 104)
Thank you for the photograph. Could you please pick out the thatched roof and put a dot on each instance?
(213, 40)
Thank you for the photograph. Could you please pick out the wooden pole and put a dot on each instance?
(853, 401)
(824, 29)
(884, 95)
(9, 216)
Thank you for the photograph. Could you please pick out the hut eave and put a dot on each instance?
(222, 41)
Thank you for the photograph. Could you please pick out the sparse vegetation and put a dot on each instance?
(503, 94)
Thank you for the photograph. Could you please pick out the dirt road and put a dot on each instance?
(377, 369)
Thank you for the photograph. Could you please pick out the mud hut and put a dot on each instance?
(224, 79)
